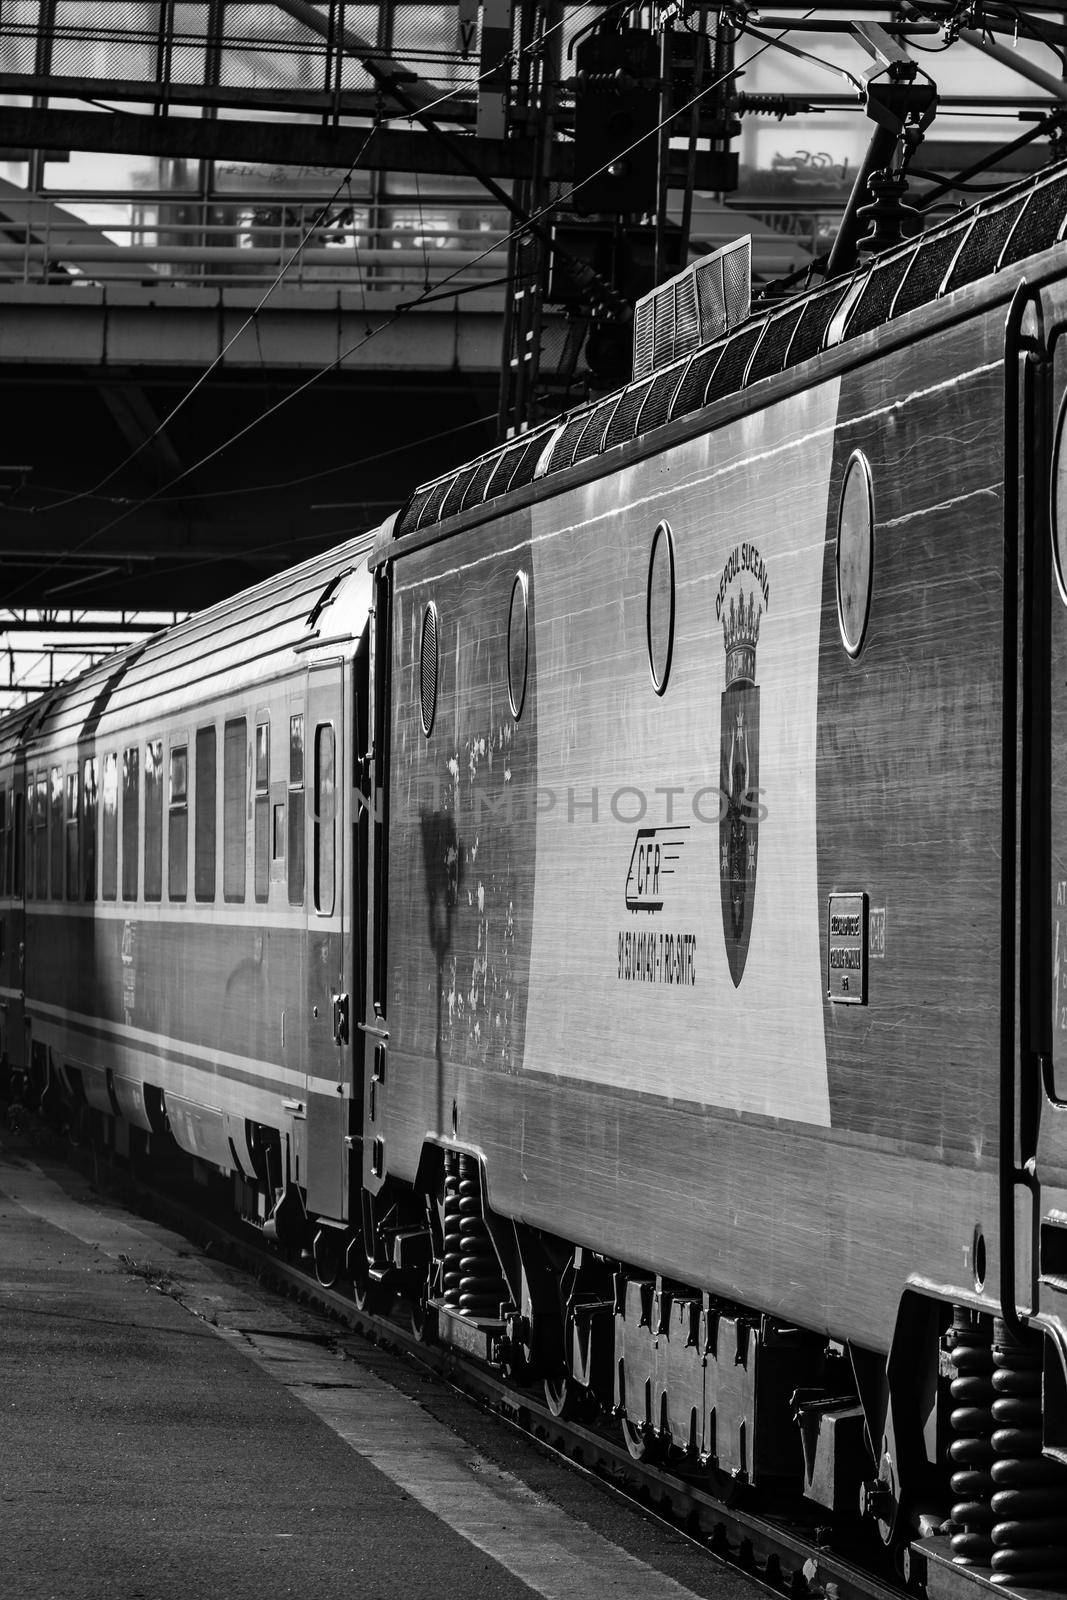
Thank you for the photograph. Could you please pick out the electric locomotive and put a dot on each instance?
(628, 919)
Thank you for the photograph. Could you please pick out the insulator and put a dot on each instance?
(971, 1451)
(1029, 1532)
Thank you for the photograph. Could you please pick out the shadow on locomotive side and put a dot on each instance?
(617, 905)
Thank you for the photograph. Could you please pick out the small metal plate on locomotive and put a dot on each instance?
(846, 949)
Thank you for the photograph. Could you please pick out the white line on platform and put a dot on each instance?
(554, 1554)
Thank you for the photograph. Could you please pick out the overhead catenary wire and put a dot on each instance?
(249, 321)
(522, 227)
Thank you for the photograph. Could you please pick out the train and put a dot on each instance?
(619, 904)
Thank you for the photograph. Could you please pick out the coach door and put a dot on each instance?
(328, 946)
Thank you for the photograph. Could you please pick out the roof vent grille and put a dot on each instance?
(700, 304)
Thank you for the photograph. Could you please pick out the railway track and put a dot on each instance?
(793, 1552)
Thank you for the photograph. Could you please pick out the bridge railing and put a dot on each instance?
(251, 244)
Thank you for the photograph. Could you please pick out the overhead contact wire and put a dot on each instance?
(521, 228)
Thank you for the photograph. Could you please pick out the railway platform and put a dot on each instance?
(169, 1428)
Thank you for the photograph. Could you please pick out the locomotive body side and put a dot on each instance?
(594, 1001)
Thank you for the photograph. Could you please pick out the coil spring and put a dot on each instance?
(450, 1261)
(1029, 1502)
(971, 1451)
(481, 1289)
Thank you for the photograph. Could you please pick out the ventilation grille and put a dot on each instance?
(1040, 224)
(691, 390)
(876, 299)
(814, 321)
(431, 511)
(527, 462)
(774, 346)
(927, 271)
(982, 247)
(657, 406)
(409, 518)
(500, 481)
(453, 501)
(476, 489)
(730, 372)
(568, 442)
(623, 424)
(592, 441)
(699, 305)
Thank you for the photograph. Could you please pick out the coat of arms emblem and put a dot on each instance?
(739, 780)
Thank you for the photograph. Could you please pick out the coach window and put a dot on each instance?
(109, 828)
(325, 818)
(296, 810)
(4, 889)
(262, 842)
(18, 854)
(178, 824)
(204, 816)
(131, 795)
(153, 819)
(73, 885)
(40, 831)
(56, 838)
(234, 813)
(88, 829)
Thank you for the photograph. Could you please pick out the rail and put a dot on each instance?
(248, 244)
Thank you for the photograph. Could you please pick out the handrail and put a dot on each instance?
(1008, 1173)
(38, 241)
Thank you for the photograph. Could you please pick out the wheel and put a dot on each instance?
(423, 1320)
(639, 1440)
(370, 1297)
(559, 1395)
(328, 1256)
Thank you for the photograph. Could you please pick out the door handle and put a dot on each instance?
(340, 1018)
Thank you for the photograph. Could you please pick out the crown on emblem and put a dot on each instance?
(740, 631)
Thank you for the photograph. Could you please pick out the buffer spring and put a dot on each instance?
(1030, 1491)
(471, 1281)
(971, 1451)
(1010, 1506)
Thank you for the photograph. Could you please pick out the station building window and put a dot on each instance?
(234, 814)
(88, 830)
(109, 828)
(56, 832)
(131, 795)
(262, 841)
(73, 881)
(178, 824)
(296, 810)
(204, 815)
(153, 820)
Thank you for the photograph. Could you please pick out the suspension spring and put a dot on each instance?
(1029, 1502)
(450, 1262)
(971, 1451)
(481, 1289)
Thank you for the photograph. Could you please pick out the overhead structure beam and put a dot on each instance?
(274, 144)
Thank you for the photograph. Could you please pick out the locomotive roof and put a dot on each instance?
(240, 641)
(994, 234)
